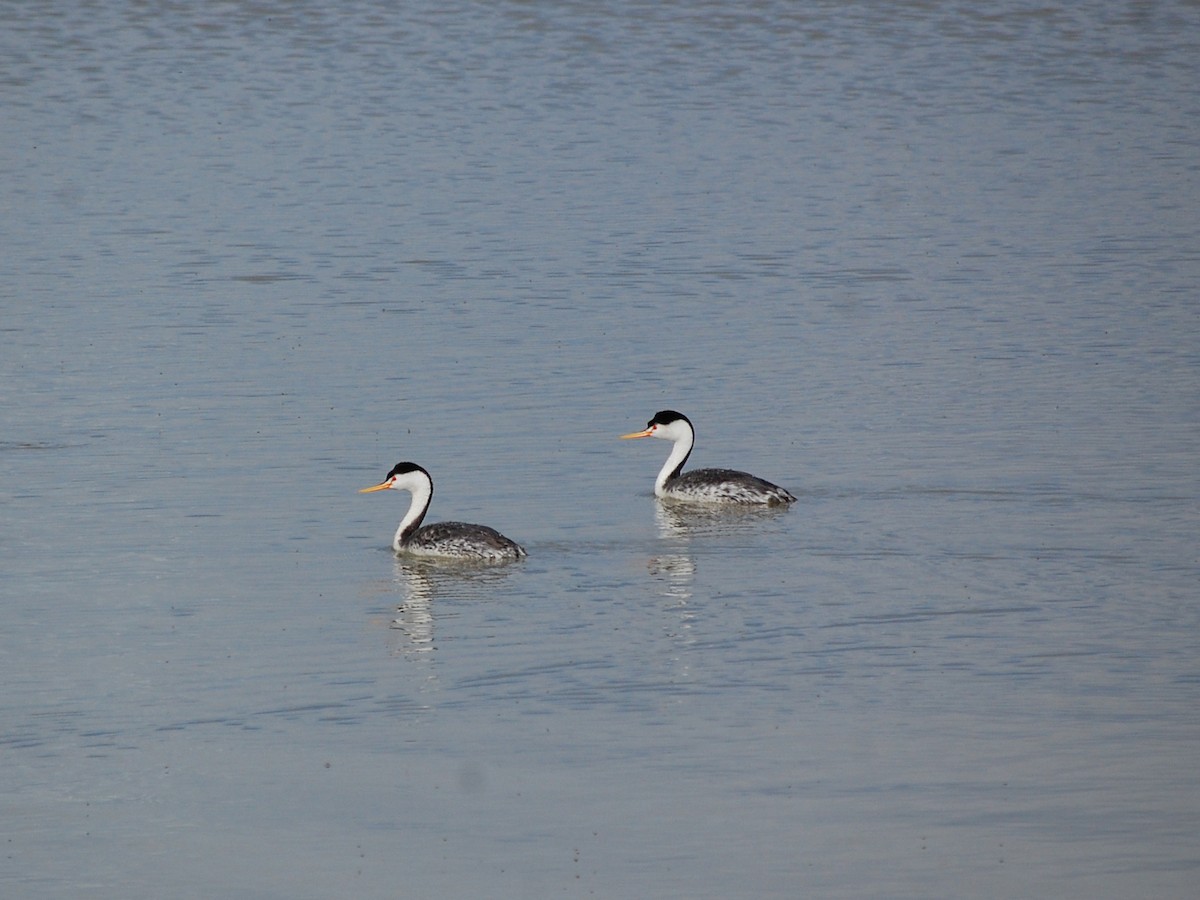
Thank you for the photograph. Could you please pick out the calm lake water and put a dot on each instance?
(935, 268)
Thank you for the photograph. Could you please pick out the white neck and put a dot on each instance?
(683, 437)
(421, 489)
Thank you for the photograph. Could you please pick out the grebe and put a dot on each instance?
(702, 485)
(456, 540)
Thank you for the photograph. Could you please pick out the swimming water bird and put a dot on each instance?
(454, 540)
(702, 485)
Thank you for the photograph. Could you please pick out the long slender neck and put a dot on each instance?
(680, 452)
(422, 494)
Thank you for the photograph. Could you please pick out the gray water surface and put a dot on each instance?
(932, 268)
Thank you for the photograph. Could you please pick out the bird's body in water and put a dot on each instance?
(703, 485)
(451, 540)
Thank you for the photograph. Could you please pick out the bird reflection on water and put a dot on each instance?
(682, 521)
(414, 617)
(680, 524)
(427, 583)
